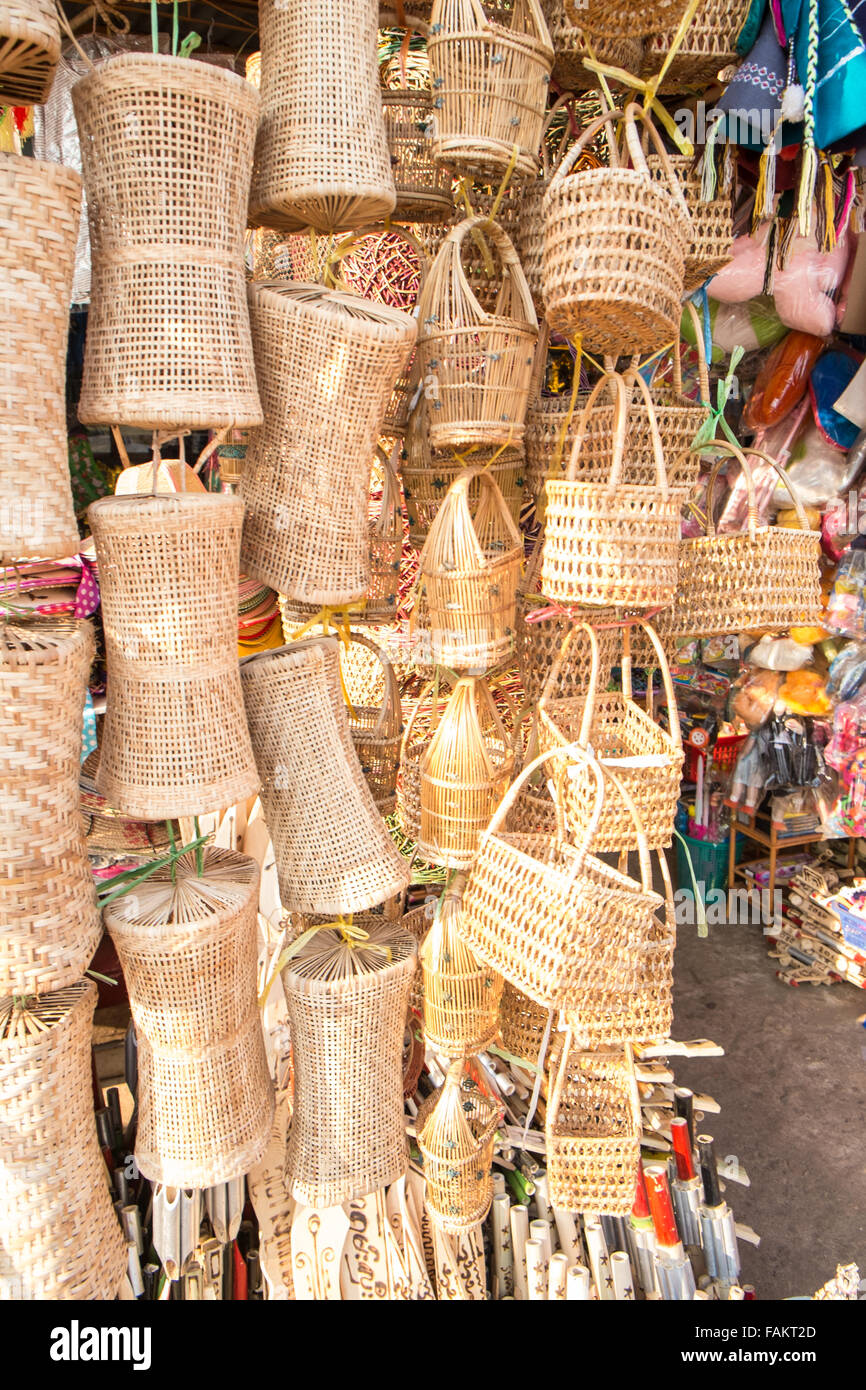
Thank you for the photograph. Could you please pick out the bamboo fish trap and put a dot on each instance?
(593, 1132)
(461, 994)
(423, 187)
(29, 51)
(456, 1128)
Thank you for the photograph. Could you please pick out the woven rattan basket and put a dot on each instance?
(39, 211)
(327, 363)
(461, 994)
(523, 1026)
(476, 366)
(614, 18)
(592, 1131)
(456, 1128)
(168, 337)
(377, 733)
(321, 155)
(712, 240)
(187, 946)
(175, 740)
(621, 50)
(423, 186)
(471, 564)
(347, 1006)
(332, 850)
(539, 643)
(710, 44)
(49, 924)
(490, 63)
(615, 242)
(528, 219)
(59, 1236)
(29, 51)
(427, 711)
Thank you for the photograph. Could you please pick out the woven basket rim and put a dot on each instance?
(80, 996)
(283, 654)
(345, 308)
(144, 935)
(164, 503)
(615, 879)
(165, 63)
(397, 936)
(19, 165)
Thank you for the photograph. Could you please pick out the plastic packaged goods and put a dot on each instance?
(782, 381)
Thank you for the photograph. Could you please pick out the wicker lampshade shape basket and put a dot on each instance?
(476, 366)
(423, 186)
(623, 49)
(456, 1128)
(464, 771)
(613, 18)
(490, 63)
(332, 850)
(166, 148)
(188, 950)
(615, 243)
(39, 210)
(59, 1236)
(175, 740)
(29, 51)
(711, 246)
(321, 154)
(710, 44)
(327, 363)
(461, 994)
(471, 565)
(49, 923)
(347, 1005)
(592, 1131)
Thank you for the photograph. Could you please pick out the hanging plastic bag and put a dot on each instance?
(782, 381)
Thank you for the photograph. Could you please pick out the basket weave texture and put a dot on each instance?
(29, 51)
(614, 18)
(593, 1132)
(456, 1129)
(712, 240)
(461, 994)
(620, 50)
(710, 44)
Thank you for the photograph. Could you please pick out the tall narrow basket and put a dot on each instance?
(456, 1128)
(29, 51)
(377, 732)
(593, 1132)
(423, 186)
(461, 993)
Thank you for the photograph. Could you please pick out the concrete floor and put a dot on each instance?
(791, 1088)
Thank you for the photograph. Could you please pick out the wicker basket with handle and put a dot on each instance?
(620, 50)
(712, 241)
(614, 18)
(29, 51)
(456, 1128)
(709, 44)
(592, 1131)
(461, 993)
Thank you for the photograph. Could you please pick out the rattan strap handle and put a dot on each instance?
(569, 750)
(658, 451)
(568, 163)
(510, 261)
(667, 682)
(731, 451)
(646, 869)
(390, 505)
(559, 1079)
(460, 487)
(703, 373)
(563, 100)
(391, 698)
(617, 384)
(634, 112)
(592, 688)
(432, 684)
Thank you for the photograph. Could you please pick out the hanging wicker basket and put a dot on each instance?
(59, 1236)
(539, 644)
(40, 206)
(592, 1132)
(523, 1026)
(461, 994)
(456, 1128)
(424, 719)
(710, 44)
(528, 219)
(166, 148)
(614, 18)
(377, 733)
(175, 740)
(423, 186)
(29, 51)
(187, 946)
(622, 49)
(712, 240)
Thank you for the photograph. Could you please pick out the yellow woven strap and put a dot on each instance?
(477, 235)
(339, 619)
(352, 936)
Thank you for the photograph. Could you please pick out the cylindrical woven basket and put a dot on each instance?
(50, 923)
(377, 732)
(423, 186)
(540, 642)
(321, 155)
(347, 1007)
(327, 363)
(333, 852)
(710, 44)
(614, 18)
(187, 946)
(711, 246)
(461, 994)
(29, 51)
(456, 1128)
(40, 206)
(623, 49)
(490, 62)
(175, 740)
(166, 148)
(424, 719)
(615, 242)
(592, 1132)
(59, 1236)
(471, 403)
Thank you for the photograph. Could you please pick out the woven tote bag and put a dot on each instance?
(187, 945)
(29, 51)
(327, 363)
(59, 1236)
(614, 18)
(539, 642)
(422, 185)
(175, 741)
(490, 63)
(617, 542)
(461, 994)
(347, 1002)
(592, 1132)
(711, 246)
(476, 365)
(333, 852)
(456, 1129)
(615, 243)
(709, 44)
(39, 211)
(166, 149)
(321, 156)
(620, 50)
(49, 923)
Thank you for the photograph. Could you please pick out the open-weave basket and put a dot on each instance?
(377, 732)
(523, 1026)
(40, 205)
(615, 242)
(709, 44)
(347, 1006)
(621, 50)
(549, 916)
(711, 246)
(490, 62)
(423, 185)
(614, 18)
(166, 149)
(333, 852)
(611, 542)
(59, 1236)
(327, 362)
(592, 1131)
(461, 993)
(175, 740)
(471, 564)
(321, 155)
(187, 946)
(49, 924)
(29, 51)
(456, 1128)
(424, 719)
(540, 643)
(477, 366)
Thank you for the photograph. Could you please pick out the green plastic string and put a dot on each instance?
(123, 883)
(700, 910)
(154, 26)
(707, 432)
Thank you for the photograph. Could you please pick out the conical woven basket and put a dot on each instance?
(29, 51)
(456, 1128)
(166, 148)
(175, 740)
(40, 206)
(321, 154)
(49, 924)
(347, 1006)
(712, 239)
(461, 994)
(327, 363)
(187, 946)
(592, 1132)
(333, 852)
(621, 50)
(710, 44)
(59, 1236)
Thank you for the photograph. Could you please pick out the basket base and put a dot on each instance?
(617, 327)
(484, 158)
(334, 212)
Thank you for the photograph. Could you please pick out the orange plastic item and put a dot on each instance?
(782, 381)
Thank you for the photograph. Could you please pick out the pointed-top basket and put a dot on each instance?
(456, 1128)
(461, 993)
